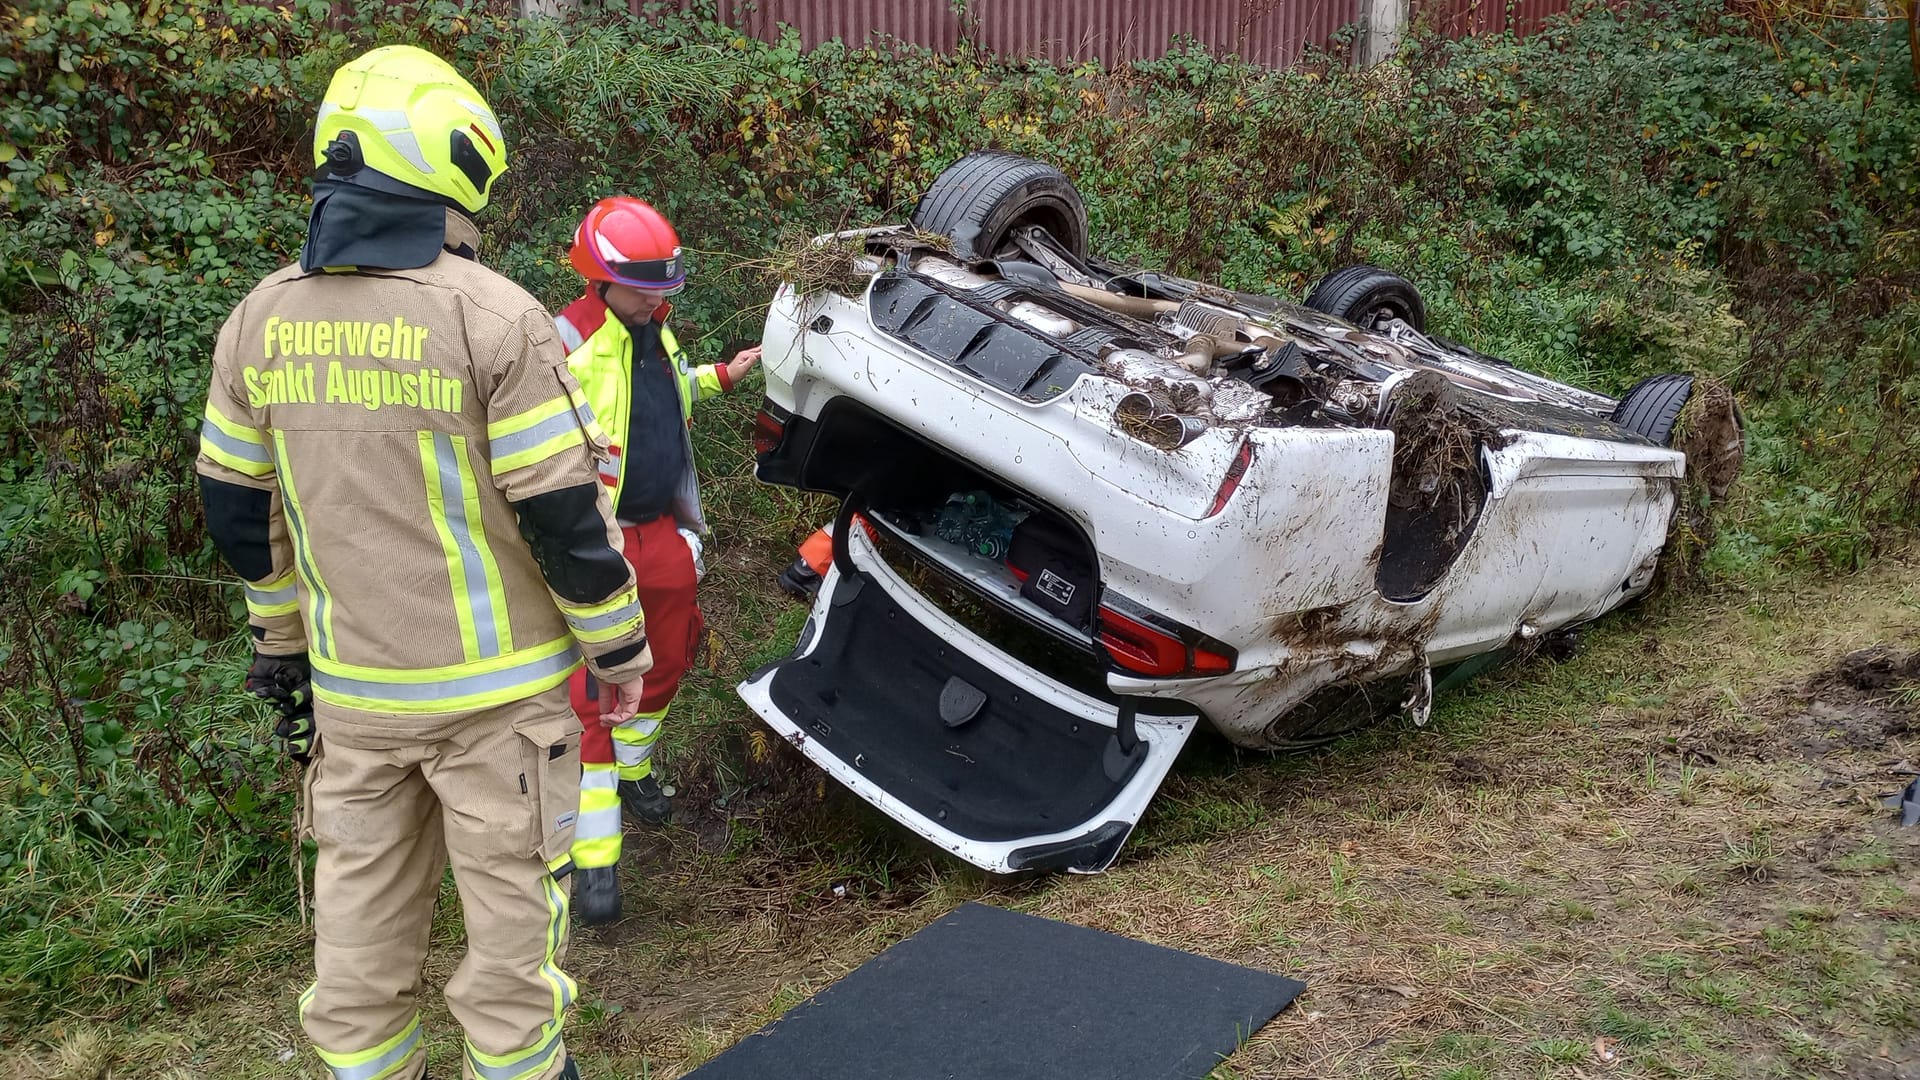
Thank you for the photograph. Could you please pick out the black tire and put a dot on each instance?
(1653, 405)
(982, 198)
(1363, 295)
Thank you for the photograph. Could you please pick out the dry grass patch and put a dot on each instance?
(1663, 858)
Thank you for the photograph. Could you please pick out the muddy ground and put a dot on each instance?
(1666, 857)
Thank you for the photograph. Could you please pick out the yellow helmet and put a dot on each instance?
(401, 120)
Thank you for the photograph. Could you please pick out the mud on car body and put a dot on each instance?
(1282, 520)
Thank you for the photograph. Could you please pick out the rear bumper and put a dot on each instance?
(1034, 776)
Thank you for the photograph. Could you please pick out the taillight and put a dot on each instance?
(769, 430)
(1231, 483)
(1142, 648)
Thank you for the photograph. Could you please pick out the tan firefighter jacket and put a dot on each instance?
(394, 418)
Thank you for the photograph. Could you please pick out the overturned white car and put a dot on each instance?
(1087, 509)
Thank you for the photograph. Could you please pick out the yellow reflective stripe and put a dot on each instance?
(535, 435)
(528, 1063)
(590, 611)
(320, 611)
(235, 429)
(707, 378)
(584, 411)
(596, 832)
(378, 1062)
(496, 585)
(633, 744)
(546, 410)
(638, 735)
(538, 1057)
(616, 623)
(273, 598)
(564, 988)
(234, 445)
(453, 504)
(452, 688)
(213, 446)
(595, 852)
(449, 548)
(567, 438)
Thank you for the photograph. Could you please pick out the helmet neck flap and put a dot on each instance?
(358, 227)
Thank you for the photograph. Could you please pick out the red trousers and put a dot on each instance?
(663, 570)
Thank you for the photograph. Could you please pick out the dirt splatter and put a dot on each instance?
(1437, 489)
(1710, 431)
(1863, 702)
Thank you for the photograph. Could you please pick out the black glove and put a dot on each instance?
(295, 730)
(283, 680)
(287, 682)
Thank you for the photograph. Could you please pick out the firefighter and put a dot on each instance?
(639, 384)
(801, 578)
(396, 461)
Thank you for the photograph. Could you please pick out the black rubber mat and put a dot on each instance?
(990, 994)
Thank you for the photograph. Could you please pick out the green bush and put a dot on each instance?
(1628, 191)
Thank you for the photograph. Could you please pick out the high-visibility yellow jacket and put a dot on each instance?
(600, 356)
(402, 469)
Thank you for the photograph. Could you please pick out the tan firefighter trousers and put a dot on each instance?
(497, 794)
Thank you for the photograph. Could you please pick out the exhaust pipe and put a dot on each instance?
(1153, 422)
(1137, 306)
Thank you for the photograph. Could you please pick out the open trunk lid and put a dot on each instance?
(953, 738)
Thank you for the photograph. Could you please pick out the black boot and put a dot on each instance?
(644, 800)
(596, 895)
(799, 581)
(571, 1071)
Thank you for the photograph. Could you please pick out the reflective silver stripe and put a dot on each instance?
(239, 448)
(523, 1064)
(528, 438)
(608, 621)
(592, 824)
(269, 598)
(638, 730)
(297, 525)
(505, 679)
(473, 572)
(597, 775)
(408, 147)
(382, 1065)
(559, 903)
(485, 114)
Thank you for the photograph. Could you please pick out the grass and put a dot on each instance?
(1630, 855)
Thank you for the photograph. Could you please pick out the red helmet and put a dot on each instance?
(627, 242)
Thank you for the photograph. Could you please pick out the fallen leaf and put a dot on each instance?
(1603, 1048)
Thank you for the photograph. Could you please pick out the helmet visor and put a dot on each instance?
(657, 275)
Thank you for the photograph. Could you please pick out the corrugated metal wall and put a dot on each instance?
(1113, 32)
(1270, 32)
(1459, 18)
(922, 22)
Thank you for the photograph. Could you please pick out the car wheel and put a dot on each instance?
(1332, 712)
(980, 200)
(1653, 405)
(1366, 296)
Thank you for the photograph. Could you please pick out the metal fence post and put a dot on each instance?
(1384, 22)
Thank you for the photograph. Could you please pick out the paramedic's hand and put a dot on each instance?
(619, 702)
(742, 363)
